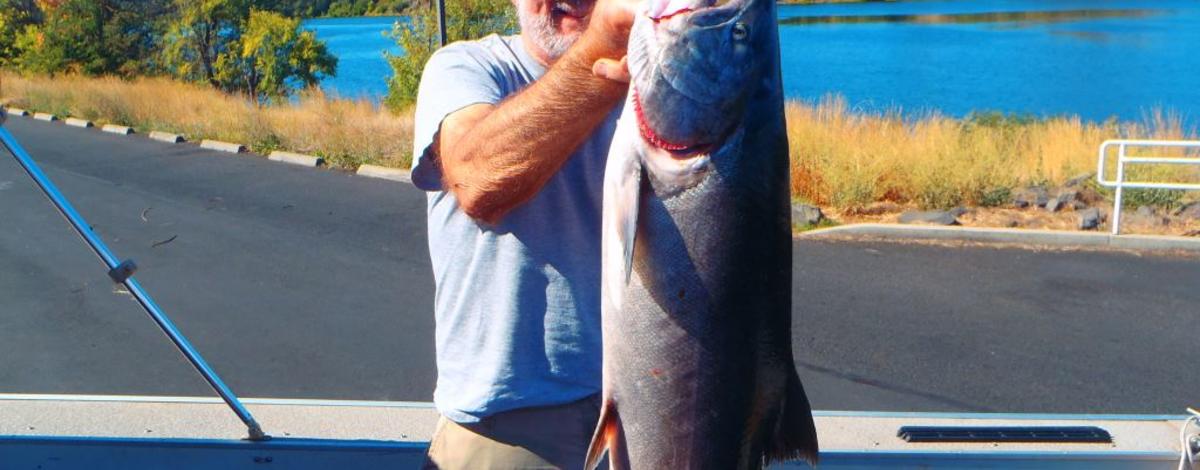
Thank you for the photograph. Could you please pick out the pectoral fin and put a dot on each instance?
(608, 437)
(627, 214)
(622, 198)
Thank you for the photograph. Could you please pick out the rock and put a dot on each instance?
(1064, 198)
(1054, 205)
(879, 208)
(1089, 196)
(1190, 210)
(1089, 219)
(1067, 196)
(804, 214)
(1145, 216)
(959, 211)
(1079, 205)
(928, 217)
(1012, 223)
(1079, 180)
(1031, 196)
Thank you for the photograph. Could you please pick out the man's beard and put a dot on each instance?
(541, 29)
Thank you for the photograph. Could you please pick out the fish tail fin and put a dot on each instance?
(609, 437)
(794, 435)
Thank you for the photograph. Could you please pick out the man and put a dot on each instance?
(511, 135)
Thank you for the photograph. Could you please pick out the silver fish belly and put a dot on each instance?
(698, 367)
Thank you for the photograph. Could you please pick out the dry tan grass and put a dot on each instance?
(344, 132)
(848, 159)
(840, 158)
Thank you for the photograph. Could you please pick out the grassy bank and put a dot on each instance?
(840, 158)
(846, 159)
(345, 132)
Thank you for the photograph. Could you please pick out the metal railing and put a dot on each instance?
(1119, 184)
(122, 272)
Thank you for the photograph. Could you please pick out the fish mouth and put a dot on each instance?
(660, 11)
(679, 150)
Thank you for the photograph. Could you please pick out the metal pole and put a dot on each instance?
(122, 272)
(441, 12)
(1117, 199)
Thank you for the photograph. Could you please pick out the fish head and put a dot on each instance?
(696, 67)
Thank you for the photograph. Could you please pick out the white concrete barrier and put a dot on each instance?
(222, 146)
(166, 137)
(45, 117)
(17, 112)
(376, 171)
(115, 129)
(76, 122)
(296, 158)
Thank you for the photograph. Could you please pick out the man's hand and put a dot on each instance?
(496, 157)
(610, 25)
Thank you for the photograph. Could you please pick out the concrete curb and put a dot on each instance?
(115, 129)
(1006, 235)
(376, 171)
(45, 117)
(222, 146)
(17, 112)
(166, 137)
(295, 158)
(76, 122)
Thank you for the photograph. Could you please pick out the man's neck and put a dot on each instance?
(536, 51)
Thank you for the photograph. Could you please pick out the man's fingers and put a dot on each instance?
(614, 70)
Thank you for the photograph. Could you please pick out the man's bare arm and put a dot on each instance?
(495, 158)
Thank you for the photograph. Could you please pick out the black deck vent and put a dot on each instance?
(1004, 434)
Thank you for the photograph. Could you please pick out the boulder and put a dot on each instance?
(1054, 205)
(1031, 196)
(1089, 196)
(879, 208)
(804, 214)
(1064, 198)
(928, 217)
(1145, 216)
(1079, 180)
(1189, 211)
(959, 211)
(1089, 219)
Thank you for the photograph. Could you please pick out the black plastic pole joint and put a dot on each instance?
(122, 271)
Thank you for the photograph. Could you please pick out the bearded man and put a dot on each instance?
(511, 137)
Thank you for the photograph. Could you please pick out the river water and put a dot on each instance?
(1092, 58)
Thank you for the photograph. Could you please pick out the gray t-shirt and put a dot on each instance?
(517, 304)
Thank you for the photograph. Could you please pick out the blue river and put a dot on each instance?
(1094, 58)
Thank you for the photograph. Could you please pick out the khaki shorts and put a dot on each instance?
(552, 437)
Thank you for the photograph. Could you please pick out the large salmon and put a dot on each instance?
(697, 252)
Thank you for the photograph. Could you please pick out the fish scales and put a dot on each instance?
(698, 367)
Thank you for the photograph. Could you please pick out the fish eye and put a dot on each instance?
(740, 31)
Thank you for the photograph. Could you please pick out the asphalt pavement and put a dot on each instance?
(310, 283)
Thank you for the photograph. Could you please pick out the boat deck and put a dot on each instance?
(70, 431)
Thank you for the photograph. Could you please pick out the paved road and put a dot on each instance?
(315, 284)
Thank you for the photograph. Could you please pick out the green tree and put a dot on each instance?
(93, 37)
(237, 48)
(275, 55)
(418, 38)
(15, 16)
(203, 32)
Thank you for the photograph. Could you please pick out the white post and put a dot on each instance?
(1116, 218)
